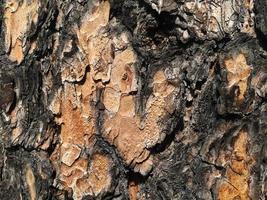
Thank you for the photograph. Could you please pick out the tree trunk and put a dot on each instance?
(133, 99)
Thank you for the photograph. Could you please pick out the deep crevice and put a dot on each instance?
(168, 139)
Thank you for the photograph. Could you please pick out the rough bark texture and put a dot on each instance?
(133, 99)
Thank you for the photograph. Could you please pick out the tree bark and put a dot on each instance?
(133, 99)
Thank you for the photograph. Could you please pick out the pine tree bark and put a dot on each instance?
(133, 99)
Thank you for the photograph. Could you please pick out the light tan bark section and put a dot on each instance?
(238, 72)
(30, 179)
(19, 16)
(236, 185)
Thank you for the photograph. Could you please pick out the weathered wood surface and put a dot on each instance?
(133, 99)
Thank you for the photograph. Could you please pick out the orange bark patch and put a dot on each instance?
(73, 129)
(99, 175)
(123, 76)
(111, 99)
(30, 179)
(133, 189)
(93, 21)
(238, 72)
(95, 180)
(238, 173)
(71, 106)
(75, 113)
(132, 136)
(18, 19)
(16, 52)
(70, 153)
(117, 72)
(95, 45)
(69, 175)
(127, 106)
(77, 131)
